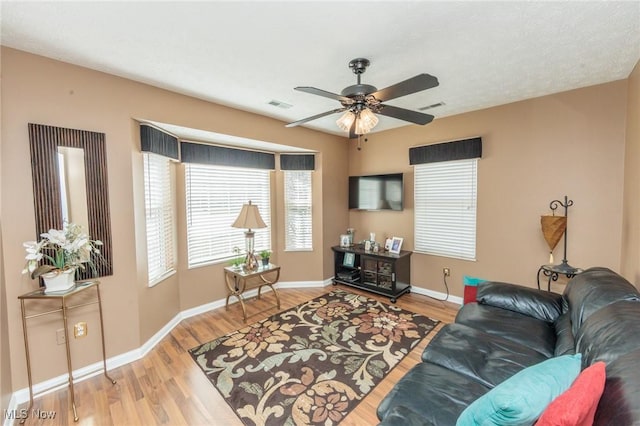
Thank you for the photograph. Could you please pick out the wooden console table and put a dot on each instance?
(237, 280)
(383, 273)
(62, 298)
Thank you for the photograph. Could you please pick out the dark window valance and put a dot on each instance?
(222, 156)
(447, 151)
(297, 162)
(158, 142)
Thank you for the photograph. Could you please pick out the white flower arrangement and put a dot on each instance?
(66, 249)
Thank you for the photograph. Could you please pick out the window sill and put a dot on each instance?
(448, 256)
(162, 278)
(226, 262)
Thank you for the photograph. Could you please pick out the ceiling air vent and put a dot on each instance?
(279, 104)
(439, 104)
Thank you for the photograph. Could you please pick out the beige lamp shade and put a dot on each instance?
(249, 218)
(553, 228)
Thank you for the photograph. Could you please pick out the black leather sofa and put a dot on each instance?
(512, 327)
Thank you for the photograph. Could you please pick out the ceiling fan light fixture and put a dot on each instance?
(367, 120)
(346, 121)
(363, 101)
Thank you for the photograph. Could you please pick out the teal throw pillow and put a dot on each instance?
(522, 398)
(473, 281)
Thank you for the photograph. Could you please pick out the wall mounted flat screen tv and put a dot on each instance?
(378, 192)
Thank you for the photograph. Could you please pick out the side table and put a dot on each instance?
(552, 272)
(62, 298)
(238, 281)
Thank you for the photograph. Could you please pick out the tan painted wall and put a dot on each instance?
(534, 151)
(5, 359)
(40, 90)
(630, 264)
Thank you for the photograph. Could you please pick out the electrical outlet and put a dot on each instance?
(60, 336)
(80, 330)
(446, 272)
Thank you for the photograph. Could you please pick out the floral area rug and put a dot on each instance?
(313, 363)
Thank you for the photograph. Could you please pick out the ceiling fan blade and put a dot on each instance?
(406, 114)
(415, 84)
(314, 117)
(324, 93)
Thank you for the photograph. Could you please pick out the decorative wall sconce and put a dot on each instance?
(553, 227)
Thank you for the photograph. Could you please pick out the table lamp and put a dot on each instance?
(249, 218)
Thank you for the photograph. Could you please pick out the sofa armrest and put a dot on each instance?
(532, 302)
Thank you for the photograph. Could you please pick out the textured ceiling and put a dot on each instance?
(246, 54)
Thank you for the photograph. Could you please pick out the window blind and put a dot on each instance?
(215, 196)
(445, 208)
(159, 217)
(297, 205)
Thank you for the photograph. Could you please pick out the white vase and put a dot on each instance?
(59, 281)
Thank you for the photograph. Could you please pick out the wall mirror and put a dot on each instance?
(69, 170)
(73, 186)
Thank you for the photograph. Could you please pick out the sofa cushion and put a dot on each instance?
(609, 333)
(484, 357)
(620, 401)
(403, 416)
(577, 406)
(594, 289)
(523, 397)
(435, 393)
(532, 302)
(565, 341)
(533, 333)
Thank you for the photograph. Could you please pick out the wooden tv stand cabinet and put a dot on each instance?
(383, 273)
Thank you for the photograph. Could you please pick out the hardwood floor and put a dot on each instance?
(167, 387)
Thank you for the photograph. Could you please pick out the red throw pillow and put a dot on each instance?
(577, 406)
(470, 294)
(471, 288)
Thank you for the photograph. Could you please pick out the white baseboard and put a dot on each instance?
(22, 395)
(13, 405)
(305, 284)
(436, 295)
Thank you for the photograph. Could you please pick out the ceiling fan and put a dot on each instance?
(360, 102)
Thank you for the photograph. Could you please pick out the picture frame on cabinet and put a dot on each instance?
(349, 260)
(396, 245)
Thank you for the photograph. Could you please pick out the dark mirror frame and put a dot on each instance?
(44, 142)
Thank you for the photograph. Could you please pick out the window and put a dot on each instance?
(445, 208)
(159, 217)
(215, 196)
(297, 207)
